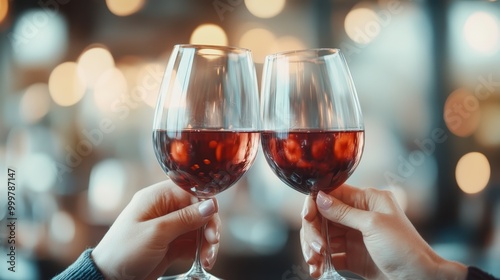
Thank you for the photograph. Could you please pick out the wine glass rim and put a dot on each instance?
(330, 51)
(213, 47)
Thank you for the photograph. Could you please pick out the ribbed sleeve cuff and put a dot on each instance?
(474, 273)
(82, 269)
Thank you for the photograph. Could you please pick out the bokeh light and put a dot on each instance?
(253, 38)
(148, 83)
(92, 63)
(124, 7)
(109, 88)
(472, 172)
(42, 170)
(35, 103)
(265, 8)
(65, 87)
(39, 38)
(62, 227)
(361, 24)
(462, 112)
(482, 33)
(4, 9)
(488, 132)
(106, 186)
(209, 34)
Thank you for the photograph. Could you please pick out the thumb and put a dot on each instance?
(187, 219)
(338, 212)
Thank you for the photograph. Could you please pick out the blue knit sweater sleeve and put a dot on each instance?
(82, 269)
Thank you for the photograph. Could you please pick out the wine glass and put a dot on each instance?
(312, 126)
(206, 125)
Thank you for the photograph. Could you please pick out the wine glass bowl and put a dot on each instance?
(312, 126)
(206, 126)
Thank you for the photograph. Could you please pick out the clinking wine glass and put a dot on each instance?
(205, 131)
(312, 125)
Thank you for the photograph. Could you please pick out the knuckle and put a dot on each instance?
(186, 217)
(341, 213)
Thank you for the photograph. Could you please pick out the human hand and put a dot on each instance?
(370, 236)
(157, 227)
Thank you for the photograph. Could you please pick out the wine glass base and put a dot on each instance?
(205, 276)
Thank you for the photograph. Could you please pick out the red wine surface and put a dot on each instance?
(205, 162)
(310, 161)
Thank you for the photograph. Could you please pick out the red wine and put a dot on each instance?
(310, 161)
(205, 162)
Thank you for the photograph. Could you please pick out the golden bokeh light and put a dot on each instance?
(209, 34)
(488, 132)
(124, 7)
(265, 8)
(361, 24)
(4, 9)
(462, 112)
(35, 103)
(109, 89)
(482, 33)
(92, 63)
(472, 172)
(65, 87)
(148, 83)
(253, 39)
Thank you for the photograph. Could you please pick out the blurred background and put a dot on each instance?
(79, 80)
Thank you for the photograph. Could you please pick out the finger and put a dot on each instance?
(311, 234)
(209, 254)
(315, 271)
(186, 219)
(212, 230)
(339, 212)
(309, 255)
(309, 210)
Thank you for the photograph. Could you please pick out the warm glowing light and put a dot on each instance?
(35, 102)
(488, 133)
(362, 24)
(65, 87)
(148, 83)
(482, 33)
(209, 34)
(472, 172)
(462, 112)
(4, 9)
(62, 227)
(109, 88)
(265, 8)
(124, 7)
(92, 63)
(253, 39)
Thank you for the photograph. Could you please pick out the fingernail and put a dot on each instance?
(316, 247)
(312, 269)
(323, 201)
(212, 236)
(210, 259)
(207, 208)
(304, 211)
(308, 254)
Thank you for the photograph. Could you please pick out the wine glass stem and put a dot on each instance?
(327, 255)
(197, 271)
